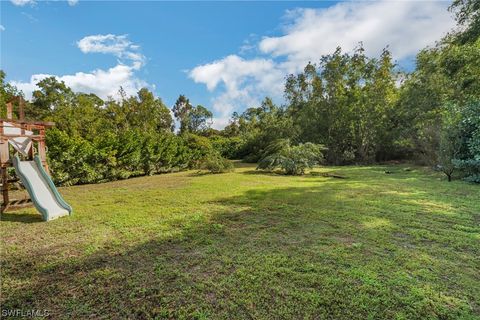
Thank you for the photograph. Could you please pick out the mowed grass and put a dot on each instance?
(247, 245)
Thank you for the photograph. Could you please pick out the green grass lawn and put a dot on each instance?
(248, 245)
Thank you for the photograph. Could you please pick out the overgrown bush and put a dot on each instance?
(450, 141)
(217, 164)
(468, 159)
(228, 147)
(293, 160)
(470, 169)
(198, 147)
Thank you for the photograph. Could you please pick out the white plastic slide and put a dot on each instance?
(41, 189)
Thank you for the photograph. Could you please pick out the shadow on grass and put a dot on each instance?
(21, 217)
(265, 173)
(199, 173)
(206, 173)
(284, 253)
(392, 172)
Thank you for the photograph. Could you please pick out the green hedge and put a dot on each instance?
(74, 160)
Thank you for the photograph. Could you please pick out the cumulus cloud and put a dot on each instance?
(243, 82)
(72, 2)
(21, 3)
(119, 46)
(232, 71)
(104, 83)
(2, 28)
(404, 26)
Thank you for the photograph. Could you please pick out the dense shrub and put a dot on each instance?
(470, 169)
(228, 147)
(74, 160)
(468, 160)
(293, 160)
(199, 148)
(216, 164)
(162, 153)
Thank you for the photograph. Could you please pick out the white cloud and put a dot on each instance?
(119, 46)
(243, 82)
(21, 3)
(220, 122)
(404, 26)
(231, 71)
(108, 43)
(104, 83)
(2, 28)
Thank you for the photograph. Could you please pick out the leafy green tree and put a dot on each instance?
(258, 127)
(145, 112)
(446, 74)
(467, 13)
(148, 113)
(450, 141)
(347, 103)
(84, 117)
(233, 127)
(52, 94)
(199, 119)
(196, 120)
(181, 111)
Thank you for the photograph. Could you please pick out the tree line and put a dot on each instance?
(346, 108)
(363, 109)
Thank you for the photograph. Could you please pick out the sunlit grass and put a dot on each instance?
(252, 245)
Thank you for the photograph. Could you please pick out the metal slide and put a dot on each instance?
(41, 189)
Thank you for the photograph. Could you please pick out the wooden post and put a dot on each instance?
(4, 153)
(9, 111)
(42, 150)
(4, 159)
(6, 200)
(21, 110)
(21, 114)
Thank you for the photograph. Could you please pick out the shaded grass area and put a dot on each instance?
(257, 246)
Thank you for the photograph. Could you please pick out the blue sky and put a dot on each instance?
(224, 55)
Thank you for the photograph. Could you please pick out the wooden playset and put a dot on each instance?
(24, 137)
